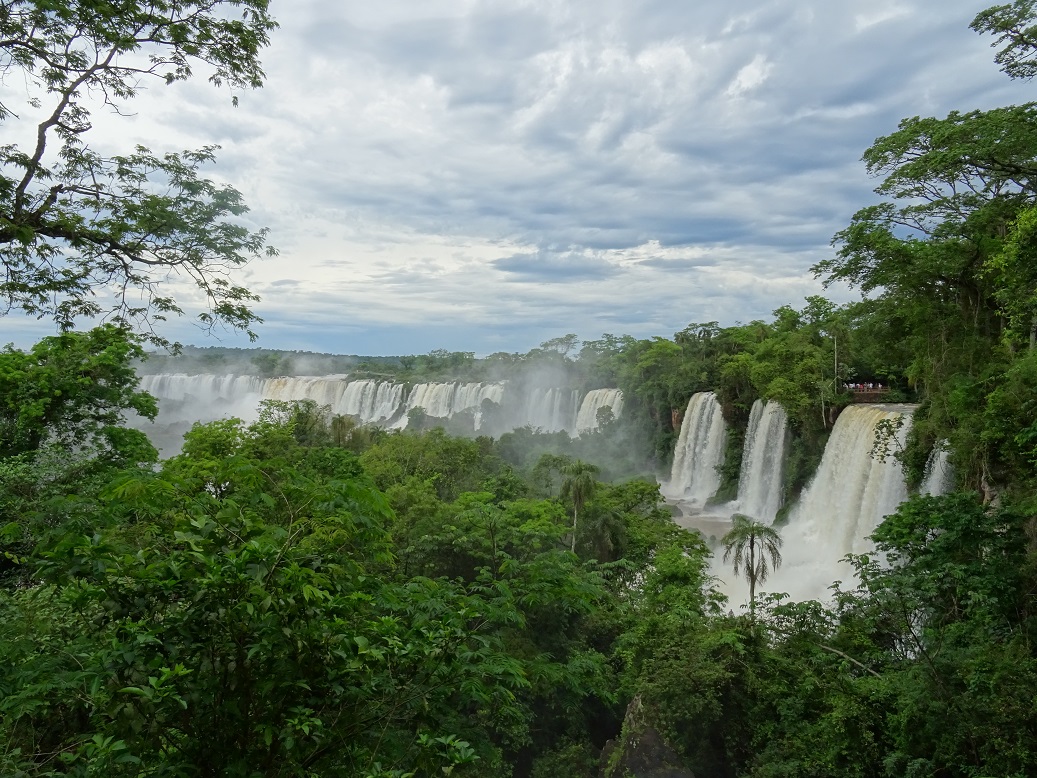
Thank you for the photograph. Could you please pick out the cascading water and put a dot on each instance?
(551, 409)
(185, 399)
(699, 452)
(763, 459)
(323, 390)
(222, 393)
(587, 418)
(370, 401)
(939, 477)
(435, 399)
(853, 489)
(442, 400)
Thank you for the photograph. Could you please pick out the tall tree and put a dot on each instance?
(752, 543)
(578, 486)
(85, 233)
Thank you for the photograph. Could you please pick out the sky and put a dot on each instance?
(483, 175)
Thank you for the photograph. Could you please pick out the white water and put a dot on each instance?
(939, 477)
(215, 396)
(323, 390)
(370, 401)
(763, 459)
(844, 503)
(853, 489)
(551, 409)
(699, 453)
(442, 401)
(185, 399)
(587, 418)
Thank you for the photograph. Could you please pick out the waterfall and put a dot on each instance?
(184, 399)
(179, 387)
(187, 398)
(323, 390)
(848, 497)
(551, 409)
(853, 489)
(763, 459)
(699, 451)
(587, 418)
(939, 476)
(442, 400)
(370, 401)
(435, 399)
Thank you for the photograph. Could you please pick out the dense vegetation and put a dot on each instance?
(306, 596)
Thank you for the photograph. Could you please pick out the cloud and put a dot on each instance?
(494, 173)
(554, 267)
(750, 77)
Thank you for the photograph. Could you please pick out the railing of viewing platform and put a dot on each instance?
(868, 395)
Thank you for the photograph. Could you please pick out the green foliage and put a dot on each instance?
(1014, 25)
(306, 596)
(83, 235)
(748, 545)
(70, 391)
(270, 364)
(62, 408)
(578, 487)
(453, 465)
(254, 624)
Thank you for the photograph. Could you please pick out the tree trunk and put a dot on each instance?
(573, 547)
(752, 577)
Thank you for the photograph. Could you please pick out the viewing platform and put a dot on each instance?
(869, 395)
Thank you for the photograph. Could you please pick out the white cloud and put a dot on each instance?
(750, 77)
(638, 164)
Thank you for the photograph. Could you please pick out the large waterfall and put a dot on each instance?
(181, 396)
(855, 486)
(370, 401)
(444, 400)
(763, 459)
(550, 409)
(695, 476)
(857, 483)
(184, 399)
(596, 399)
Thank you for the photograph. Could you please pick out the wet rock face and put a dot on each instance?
(641, 751)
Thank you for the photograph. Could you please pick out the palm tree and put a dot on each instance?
(579, 485)
(751, 543)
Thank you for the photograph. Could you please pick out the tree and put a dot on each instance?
(579, 485)
(71, 391)
(947, 258)
(562, 345)
(85, 233)
(751, 543)
(1015, 25)
(240, 615)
